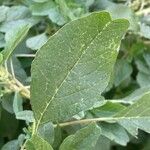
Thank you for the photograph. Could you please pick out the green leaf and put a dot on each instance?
(37, 42)
(40, 1)
(145, 31)
(49, 9)
(3, 12)
(26, 115)
(107, 110)
(42, 9)
(122, 71)
(17, 12)
(2, 40)
(11, 145)
(46, 131)
(143, 65)
(73, 68)
(122, 11)
(37, 143)
(13, 38)
(7, 102)
(136, 116)
(17, 103)
(115, 133)
(134, 96)
(8, 125)
(84, 138)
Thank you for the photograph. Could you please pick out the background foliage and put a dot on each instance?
(25, 26)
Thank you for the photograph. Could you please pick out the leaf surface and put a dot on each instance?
(73, 68)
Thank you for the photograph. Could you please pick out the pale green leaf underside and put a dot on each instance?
(73, 68)
(84, 139)
(136, 116)
(13, 38)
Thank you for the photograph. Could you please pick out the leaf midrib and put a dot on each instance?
(57, 89)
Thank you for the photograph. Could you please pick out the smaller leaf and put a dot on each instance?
(13, 38)
(17, 12)
(7, 103)
(115, 133)
(46, 131)
(26, 115)
(17, 103)
(122, 11)
(37, 143)
(122, 71)
(145, 31)
(107, 110)
(3, 12)
(36, 42)
(84, 138)
(12, 145)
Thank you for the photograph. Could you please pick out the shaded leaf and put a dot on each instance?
(37, 42)
(12, 145)
(13, 38)
(122, 71)
(84, 138)
(3, 12)
(37, 143)
(136, 116)
(115, 133)
(26, 115)
(46, 131)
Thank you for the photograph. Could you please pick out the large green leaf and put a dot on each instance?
(73, 68)
(85, 138)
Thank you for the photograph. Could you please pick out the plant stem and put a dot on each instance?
(13, 84)
(85, 121)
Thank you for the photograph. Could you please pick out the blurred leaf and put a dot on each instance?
(46, 131)
(107, 110)
(122, 71)
(145, 31)
(37, 42)
(12, 145)
(136, 116)
(17, 12)
(2, 40)
(58, 137)
(50, 9)
(3, 12)
(37, 143)
(103, 143)
(143, 65)
(17, 103)
(122, 11)
(84, 138)
(8, 124)
(134, 96)
(13, 38)
(115, 133)
(26, 115)
(7, 102)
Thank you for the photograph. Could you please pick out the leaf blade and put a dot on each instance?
(76, 49)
